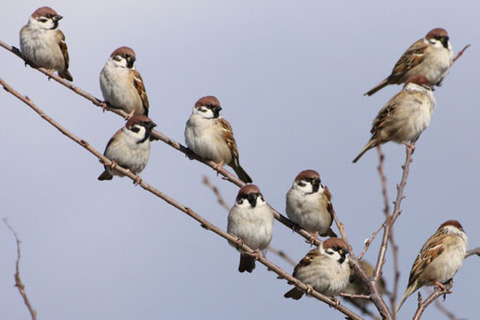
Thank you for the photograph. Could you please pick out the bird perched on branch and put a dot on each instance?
(129, 147)
(122, 86)
(43, 44)
(309, 205)
(405, 116)
(325, 269)
(211, 137)
(430, 57)
(251, 220)
(439, 259)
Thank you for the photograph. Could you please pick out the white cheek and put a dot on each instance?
(307, 188)
(208, 114)
(119, 64)
(137, 135)
(244, 204)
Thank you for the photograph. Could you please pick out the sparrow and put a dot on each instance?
(129, 147)
(251, 220)
(122, 86)
(405, 116)
(210, 136)
(430, 57)
(325, 269)
(309, 205)
(357, 286)
(439, 259)
(43, 44)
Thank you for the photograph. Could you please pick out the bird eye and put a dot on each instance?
(135, 129)
(330, 252)
(203, 109)
(42, 20)
(301, 184)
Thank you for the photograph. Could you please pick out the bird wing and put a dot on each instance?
(411, 58)
(140, 86)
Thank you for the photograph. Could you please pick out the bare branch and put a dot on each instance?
(437, 292)
(160, 136)
(472, 252)
(18, 280)
(217, 193)
(459, 54)
(203, 222)
(369, 241)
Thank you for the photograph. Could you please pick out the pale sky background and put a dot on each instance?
(290, 77)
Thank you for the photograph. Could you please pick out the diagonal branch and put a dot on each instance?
(459, 54)
(238, 243)
(162, 137)
(18, 281)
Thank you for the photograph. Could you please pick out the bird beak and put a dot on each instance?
(252, 198)
(57, 18)
(130, 61)
(216, 111)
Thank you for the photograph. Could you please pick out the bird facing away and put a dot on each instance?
(439, 259)
(430, 57)
(405, 116)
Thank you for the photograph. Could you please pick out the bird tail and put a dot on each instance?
(371, 144)
(407, 294)
(247, 263)
(329, 233)
(66, 75)
(241, 173)
(379, 86)
(105, 176)
(295, 294)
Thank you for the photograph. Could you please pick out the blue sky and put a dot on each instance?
(290, 77)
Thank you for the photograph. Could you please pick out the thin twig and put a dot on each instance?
(217, 193)
(203, 222)
(369, 241)
(437, 292)
(475, 251)
(18, 280)
(460, 53)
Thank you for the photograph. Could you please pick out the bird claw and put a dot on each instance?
(256, 254)
(104, 105)
(130, 115)
(313, 238)
(113, 164)
(335, 301)
(309, 289)
(410, 145)
(137, 180)
(218, 166)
